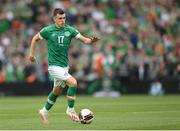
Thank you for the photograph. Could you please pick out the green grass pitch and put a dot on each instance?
(123, 113)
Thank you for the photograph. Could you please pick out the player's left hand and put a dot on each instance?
(94, 39)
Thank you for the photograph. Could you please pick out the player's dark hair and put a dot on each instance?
(57, 11)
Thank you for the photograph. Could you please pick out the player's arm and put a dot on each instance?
(34, 41)
(88, 40)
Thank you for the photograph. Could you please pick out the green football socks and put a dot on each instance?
(50, 101)
(71, 96)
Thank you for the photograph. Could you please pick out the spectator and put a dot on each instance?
(140, 38)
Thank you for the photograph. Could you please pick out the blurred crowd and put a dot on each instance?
(140, 39)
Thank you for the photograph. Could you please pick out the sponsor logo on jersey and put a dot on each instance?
(61, 45)
(67, 33)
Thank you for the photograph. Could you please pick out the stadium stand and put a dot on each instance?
(140, 40)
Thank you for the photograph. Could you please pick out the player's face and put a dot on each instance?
(60, 20)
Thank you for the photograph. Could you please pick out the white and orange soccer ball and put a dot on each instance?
(86, 116)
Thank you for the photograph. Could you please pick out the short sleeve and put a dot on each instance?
(43, 34)
(75, 33)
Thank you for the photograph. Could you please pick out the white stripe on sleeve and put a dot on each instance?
(77, 36)
(40, 36)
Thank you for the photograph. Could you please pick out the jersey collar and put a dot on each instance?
(58, 26)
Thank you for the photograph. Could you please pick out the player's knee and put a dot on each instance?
(74, 83)
(57, 90)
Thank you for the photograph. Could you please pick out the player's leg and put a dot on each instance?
(71, 96)
(57, 90)
(52, 97)
(61, 73)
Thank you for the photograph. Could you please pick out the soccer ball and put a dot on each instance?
(86, 116)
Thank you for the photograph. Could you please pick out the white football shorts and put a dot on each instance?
(59, 74)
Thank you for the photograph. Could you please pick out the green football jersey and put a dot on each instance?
(58, 40)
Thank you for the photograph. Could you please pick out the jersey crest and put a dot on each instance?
(67, 33)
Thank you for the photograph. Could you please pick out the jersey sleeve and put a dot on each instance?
(75, 33)
(43, 34)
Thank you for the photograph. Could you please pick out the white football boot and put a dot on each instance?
(72, 114)
(44, 116)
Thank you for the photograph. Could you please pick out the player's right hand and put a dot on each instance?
(32, 58)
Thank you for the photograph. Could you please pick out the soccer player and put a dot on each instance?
(58, 37)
